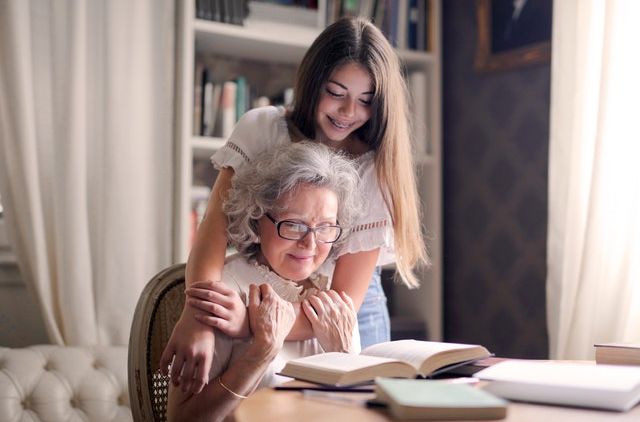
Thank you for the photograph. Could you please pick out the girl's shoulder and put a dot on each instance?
(258, 130)
(261, 121)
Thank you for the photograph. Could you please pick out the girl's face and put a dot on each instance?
(296, 260)
(344, 104)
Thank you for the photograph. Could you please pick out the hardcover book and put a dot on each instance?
(402, 359)
(572, 384)
(426, 399)
(618, 353)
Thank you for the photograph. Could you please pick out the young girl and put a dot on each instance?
(350, 95)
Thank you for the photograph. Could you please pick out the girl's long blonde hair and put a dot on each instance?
(387, 131)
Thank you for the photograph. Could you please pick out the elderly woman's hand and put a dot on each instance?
(270, 319)
(332, 316)
(224, 308)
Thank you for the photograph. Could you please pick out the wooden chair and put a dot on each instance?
(157, 311)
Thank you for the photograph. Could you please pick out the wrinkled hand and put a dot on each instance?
(270, 318)
(332, 316)
(225, 309)
(191, 350)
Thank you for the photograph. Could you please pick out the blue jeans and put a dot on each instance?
(373, 318)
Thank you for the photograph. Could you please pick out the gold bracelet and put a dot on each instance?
(239, 396)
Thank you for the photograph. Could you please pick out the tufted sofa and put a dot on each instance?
(55, 383)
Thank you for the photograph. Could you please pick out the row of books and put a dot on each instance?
(404, 22)
(227, 11)
(306, 4)
(581, 384)
(218, 104)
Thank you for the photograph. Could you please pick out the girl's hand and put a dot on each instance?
(189, 351)
(225, 309)
(270, 318)
(332, 316)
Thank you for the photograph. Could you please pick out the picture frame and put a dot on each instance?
(510, 38)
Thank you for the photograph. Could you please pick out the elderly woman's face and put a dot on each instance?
(297, 259)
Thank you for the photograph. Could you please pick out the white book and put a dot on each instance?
(228, 108)
(418, 87)
(612, 387)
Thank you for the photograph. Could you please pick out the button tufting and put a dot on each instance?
(73, 402)
(26, 403)
(96, 365)
(48, 366)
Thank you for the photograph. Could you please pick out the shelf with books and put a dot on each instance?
(263, 55)
(260, 40)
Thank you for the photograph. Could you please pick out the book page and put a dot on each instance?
(340, 362)
(413, 352)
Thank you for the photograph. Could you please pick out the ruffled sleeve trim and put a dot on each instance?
(230, 155)
(370, 236)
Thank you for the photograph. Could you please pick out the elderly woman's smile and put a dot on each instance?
(291, 259)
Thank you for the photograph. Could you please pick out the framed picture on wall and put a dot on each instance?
(512, 34)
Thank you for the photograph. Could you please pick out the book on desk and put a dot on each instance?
(401, 358)
(409, 399)
(609, 387)
(618, 353)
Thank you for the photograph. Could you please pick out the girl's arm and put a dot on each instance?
(270, 318)
(352, 276)
(206, 259)
(191, 345)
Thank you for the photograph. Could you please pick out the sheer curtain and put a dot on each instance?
(593, 284)
(85, 156)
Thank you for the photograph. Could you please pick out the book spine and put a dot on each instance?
(412, 30)
(418, 86)
(421, 37)
(402, 20)
(227, 108)
(197, 99)
(207, 104)
(241, 96)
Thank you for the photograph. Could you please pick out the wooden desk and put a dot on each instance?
(283, 406)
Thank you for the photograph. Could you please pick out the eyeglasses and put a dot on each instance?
(294, 230)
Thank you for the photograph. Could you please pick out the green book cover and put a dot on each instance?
(428, 399)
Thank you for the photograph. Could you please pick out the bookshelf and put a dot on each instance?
(277, 42)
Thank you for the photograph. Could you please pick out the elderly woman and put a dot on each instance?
(286, 212)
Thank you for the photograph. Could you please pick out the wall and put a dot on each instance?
(495, 137)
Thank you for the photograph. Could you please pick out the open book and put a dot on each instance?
(402, 359)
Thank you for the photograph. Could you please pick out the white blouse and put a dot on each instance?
(239, 273)
(266, 127)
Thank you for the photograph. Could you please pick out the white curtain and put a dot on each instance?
(593, 284)
(85, 156)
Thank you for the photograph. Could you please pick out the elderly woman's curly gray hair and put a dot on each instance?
(257, 188)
